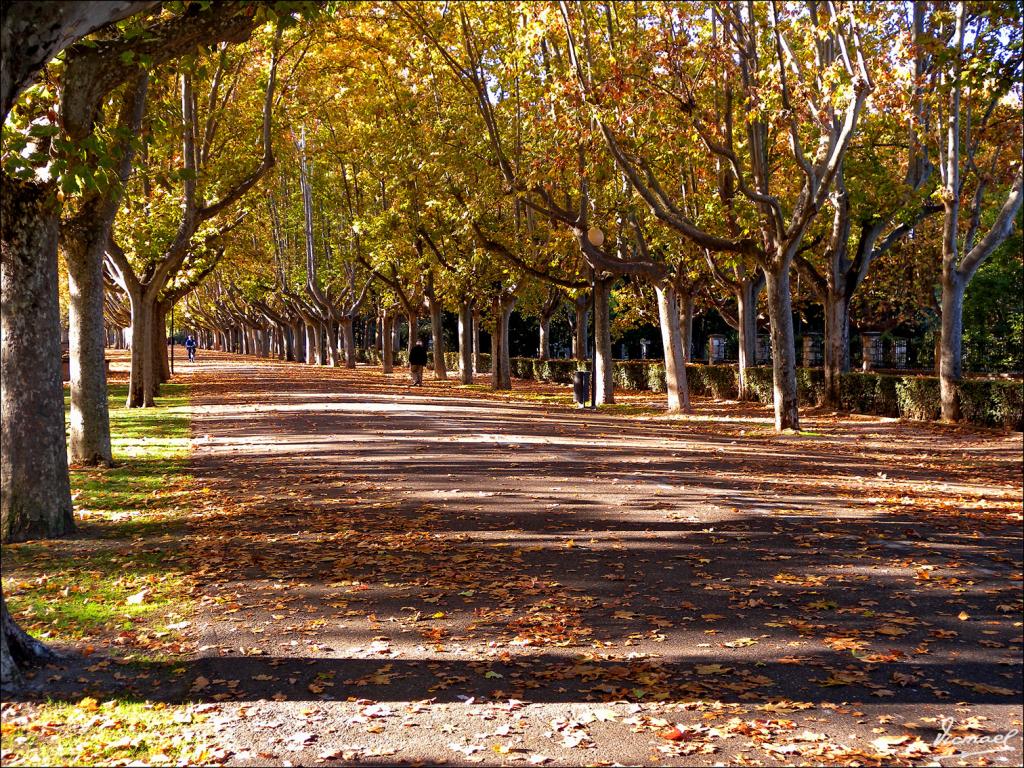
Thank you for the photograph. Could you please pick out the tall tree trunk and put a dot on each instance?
(579, 339)
(951, 351)
(299, 341)
(310, 344)
(90, 418)
(671, 338)
(387, 338)
(746, 322)
(160, 357)
(544, 342)
(603, 340)
(370, 338)
(837, 345)
(281, 335)
(465, 343)
(501, 364)
(780, 313)
(331, 329)
(475, 335)
(686, 324)
(36, 497)
(139, 394)
(318, 340)
(348, 338)
(437, 337)
(413, 318)
(147, 342)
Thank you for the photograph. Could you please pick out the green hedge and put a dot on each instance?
(632, 374)
(918, 397)
(869, 393)
(989, 402)
(995, 402)
(718, 381)
(759, 382)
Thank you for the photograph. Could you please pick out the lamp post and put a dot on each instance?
(596, 238)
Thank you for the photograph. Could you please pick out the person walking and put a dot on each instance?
(417, 359)
(190, 347)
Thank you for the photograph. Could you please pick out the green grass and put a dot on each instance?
(117, 588)
(112, 732)
(122, 572)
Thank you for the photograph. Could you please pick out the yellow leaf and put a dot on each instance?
(89, 704)
(200, 683)
(712, 669)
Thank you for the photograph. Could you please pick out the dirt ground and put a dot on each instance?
(443, 575)
(437, 575)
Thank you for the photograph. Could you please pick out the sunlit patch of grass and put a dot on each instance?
(108, 733)
(631, 409)
(92, 593)
(118, 588)
(119, 583)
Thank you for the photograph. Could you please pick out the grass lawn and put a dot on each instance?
(119, 589)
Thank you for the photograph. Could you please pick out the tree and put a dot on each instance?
(809, 86)
(162, 247)
(974, 81)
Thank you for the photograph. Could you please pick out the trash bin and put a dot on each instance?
(581, 387)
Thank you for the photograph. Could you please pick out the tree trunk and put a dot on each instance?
(780, 313)
(331, 329)
(36, 497)
(671, 338)
(280, 336)
(17, 648)
(310, 344)
(465, 343)
(148, 344)
(437, 336)
(90, 418)
(686, 324)
(140, 395)
(348, 339)
(579, 339)
(299, 342)
(951, 353)
(387, 338)
(161, 361)
(746, 322)
(603, 341)
(413, 319)
(501, 365)
(544, 342)
(475, 335)
(837, 345)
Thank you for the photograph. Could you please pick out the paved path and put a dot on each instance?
(433, 575)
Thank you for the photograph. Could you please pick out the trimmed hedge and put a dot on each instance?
(988, 402)
(869, 393)
(995, 402)
(918, 397)
(718, 381)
